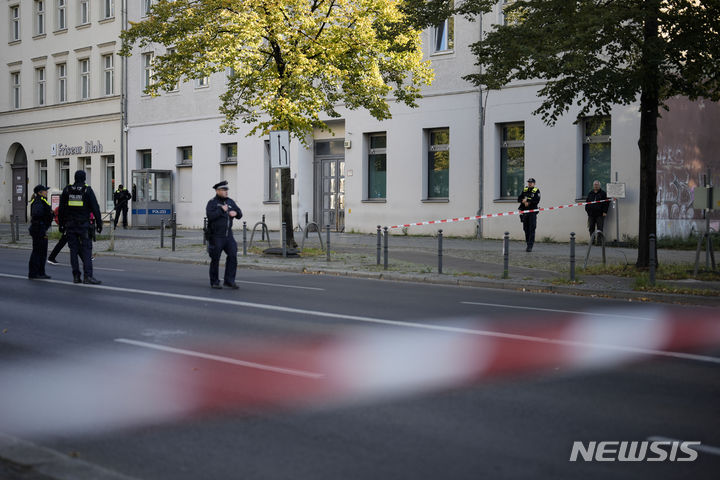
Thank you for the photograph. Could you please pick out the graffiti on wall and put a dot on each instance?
(688, 146)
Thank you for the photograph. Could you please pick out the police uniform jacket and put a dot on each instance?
(41, 215)
(220, 221)
(76, 203)
(533, 197)
(597, 209)
(121, 197)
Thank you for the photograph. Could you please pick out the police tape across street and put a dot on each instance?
(503, 214)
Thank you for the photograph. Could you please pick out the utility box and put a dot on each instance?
(706, 197)
(152, 197)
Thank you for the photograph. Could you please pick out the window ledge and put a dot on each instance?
(184, 165)
(442, 53)
(506, 200)
(374, 200)
(59, 31)
(107, 20)
(271, 202)
(39, 36)
(435, 200)
(83, 25)
(233, 162)
(14, 42)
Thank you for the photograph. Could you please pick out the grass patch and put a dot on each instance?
(674, 271)
(642, 284)
(566, 281)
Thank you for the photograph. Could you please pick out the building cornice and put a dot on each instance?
(65, 122)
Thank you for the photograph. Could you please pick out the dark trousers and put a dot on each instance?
(124, 211)
(216, 246)
(80, 245)
(594, 222)
(61, 243)
(36, 266)
(529, 221)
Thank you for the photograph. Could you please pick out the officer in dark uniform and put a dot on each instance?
(41, 217)
(77, 202)
(529, 200)
(120, 198)
(220, 212)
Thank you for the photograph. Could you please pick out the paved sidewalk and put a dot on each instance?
(469, 262)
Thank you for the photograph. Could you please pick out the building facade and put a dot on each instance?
(61, 108)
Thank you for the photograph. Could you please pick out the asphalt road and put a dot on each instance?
(519, 426)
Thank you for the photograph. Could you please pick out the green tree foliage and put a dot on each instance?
(593, 54)
(293, 60)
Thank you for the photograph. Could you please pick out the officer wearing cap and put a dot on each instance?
(220, 212)
(120, 199)
(41, 217)
(529, 200)
(77, 202)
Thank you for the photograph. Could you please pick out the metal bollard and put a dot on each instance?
(506, 254)
(327, 241)
(307, 220)
(244, 239)
(572, 256)
(112, 236)
(385, 250)
(162, 233)
(263, 230)
(205, 224)
(379, 243)
(284, 241)
(12, 228)
(652, 259)
(440, 238)
(174, 230)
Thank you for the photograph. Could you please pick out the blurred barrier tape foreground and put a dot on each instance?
(145, 383)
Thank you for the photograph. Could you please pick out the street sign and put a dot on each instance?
(280, 149)
(615, 190)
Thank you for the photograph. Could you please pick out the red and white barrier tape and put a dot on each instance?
(492, 215)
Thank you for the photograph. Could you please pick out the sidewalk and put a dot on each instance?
(468, 262)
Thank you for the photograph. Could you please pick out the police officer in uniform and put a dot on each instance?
(220, 212)
(120, 198)
(529, 200)
(41, 217)
(77, 202)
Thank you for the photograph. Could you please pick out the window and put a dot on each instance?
(512, 17)
(40, 77)
(39, 17)
(377, 166)
(272, 176)
(596, 152)
(84, 12)
(108, 74)
(62, 82)
(147, 69)
(63, 172)
(85, 163)
(229, 153)
(438, 163)
(512, 160)
(176, 86)
(84, 79)
(109, 162)
(203, 82)
(184, 156)
(42, 171)
(15, 23)
(108, 8)
(61, 19)
(145, 158)
(444, 35)
(146, 6)
(15, 89)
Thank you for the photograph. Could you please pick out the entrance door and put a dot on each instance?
(19, 188)
(333, 193)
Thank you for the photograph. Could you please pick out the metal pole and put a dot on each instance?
(17, 228)
(284, 241)
(327, 242)
(506, 254)
(205, 224)
(244, 239)
(617, 216)
(12, 228)
(162, 234)
(174, 230)
(385, 252)
(440, 238)
(263, 230)
(306, 224)
(572, 256)
(112, 235)
(652, 259)
(379, 243)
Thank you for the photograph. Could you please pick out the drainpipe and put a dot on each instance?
(123, 104)
(481, 143)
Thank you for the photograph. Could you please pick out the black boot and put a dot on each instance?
(76, 278)
(91, 281)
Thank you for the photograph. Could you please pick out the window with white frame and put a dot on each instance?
(512, 159)
(84, 12)
(229, 153)
(39, 17)
(147, 60)
(203, 82)
(596, 152)
(145, 158)
(41, 86)
(61, 15)
(176, 85)
(108, 8)
(272, 176)
(61, 69)
(108, 74)
(377, 166)
(14, 23)
(146, 7)
(438, 163)
(42, 171)
(184, 157)
(63, 172)
(444, 35)
(15, 89)
(84, 65)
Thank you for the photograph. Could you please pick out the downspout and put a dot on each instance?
(481, 144)
(123, 104)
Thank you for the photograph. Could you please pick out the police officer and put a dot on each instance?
(120, 199)
(77, 202)
(41, 217)
(596, 212)
(220, 212)
(529, 200)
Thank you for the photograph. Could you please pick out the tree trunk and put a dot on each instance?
(649, 105)
(287, 214)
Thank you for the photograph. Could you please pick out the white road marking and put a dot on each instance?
(553, 310)
(395, 323)
(94, 267)
(700, 448)
(217, 358)
(279, 285)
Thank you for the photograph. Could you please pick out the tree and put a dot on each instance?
(596, 53)
(292, 60)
